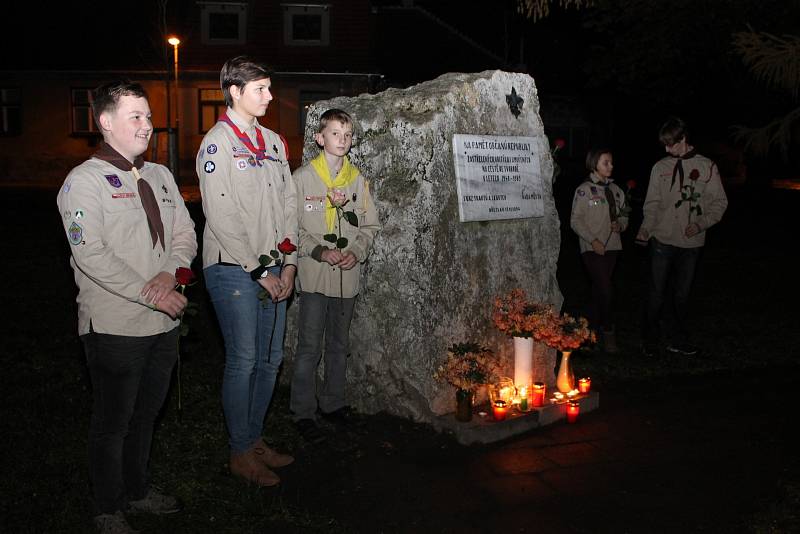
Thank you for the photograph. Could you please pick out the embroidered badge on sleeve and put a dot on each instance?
(209, 167)
(75, 233)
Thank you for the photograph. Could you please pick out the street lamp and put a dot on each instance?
(174, 41)
(173, 136)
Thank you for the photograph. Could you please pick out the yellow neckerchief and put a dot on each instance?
(347, 174)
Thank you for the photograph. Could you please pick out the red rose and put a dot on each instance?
(694, 175)
(631, 184)
(286, 246)
(184, 276)
(560, 143)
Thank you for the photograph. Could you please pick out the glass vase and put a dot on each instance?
(565, 381)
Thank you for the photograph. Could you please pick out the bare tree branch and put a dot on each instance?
(539, 9)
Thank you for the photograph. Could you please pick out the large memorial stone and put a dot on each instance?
(431, 280)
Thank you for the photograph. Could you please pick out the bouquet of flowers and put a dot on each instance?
(567, 333)
(515, 316)
(468, 366)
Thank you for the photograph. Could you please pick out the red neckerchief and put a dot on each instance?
(260, 152)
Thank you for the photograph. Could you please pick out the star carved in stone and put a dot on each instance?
(515, 102)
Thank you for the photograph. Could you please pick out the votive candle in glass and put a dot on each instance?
(584, 385)
(573, 409)
(523, 399)
(538, 393)
(499, 410)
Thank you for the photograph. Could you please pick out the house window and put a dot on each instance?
(306, 24)
(10, 111)
(306, 99)
(223, 23)
(82, 119)
(212, 105)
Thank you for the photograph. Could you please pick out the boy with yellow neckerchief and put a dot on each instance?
(327, 187)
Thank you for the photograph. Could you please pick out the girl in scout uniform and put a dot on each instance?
(249, 204)
(598, 217)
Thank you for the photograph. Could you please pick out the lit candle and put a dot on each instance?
(523, 399)
(573, 409)
(558, 395)
(499, 410)
(584, 385)
(538, 393)
(572, 393)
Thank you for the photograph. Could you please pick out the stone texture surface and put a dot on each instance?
(430, 280)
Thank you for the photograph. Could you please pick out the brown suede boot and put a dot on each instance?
(610, 341)
(270, 457)
(248, 467)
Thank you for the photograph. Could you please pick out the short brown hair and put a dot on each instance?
(239, 71)
(105, 98)
(674, 130)
(593, 156)
(334, 115)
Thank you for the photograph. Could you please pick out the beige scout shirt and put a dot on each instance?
(112, 251)
(590, 218)
(249, 208)
(666, 222)
(315, 275)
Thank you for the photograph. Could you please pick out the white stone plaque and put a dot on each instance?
(498, 177)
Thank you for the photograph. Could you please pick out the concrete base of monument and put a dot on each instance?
(484, 429)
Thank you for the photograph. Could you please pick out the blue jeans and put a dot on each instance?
(253, 333)
(675, 267)
(130, 380)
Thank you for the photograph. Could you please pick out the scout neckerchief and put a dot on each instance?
(259, 152)
(347, 174)
(612, 204)
(678, 169)
(149, 202)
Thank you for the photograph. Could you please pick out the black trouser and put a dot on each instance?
(674, 266)
(601, 269)
(130, 379)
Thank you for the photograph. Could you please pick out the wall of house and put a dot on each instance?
(46, 149)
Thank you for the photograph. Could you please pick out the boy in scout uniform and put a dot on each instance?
(329, 272)
(684, 199)
(128, 231)
(250, 208)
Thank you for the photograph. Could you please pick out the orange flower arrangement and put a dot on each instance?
(515, 316)
(568, 333)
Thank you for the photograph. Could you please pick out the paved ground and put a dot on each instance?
(687, 455)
